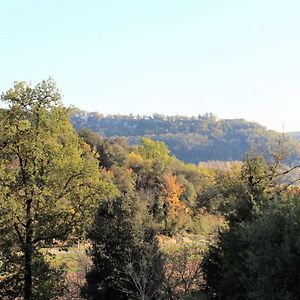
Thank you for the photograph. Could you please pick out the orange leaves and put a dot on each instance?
(174, 188)
(172, 192)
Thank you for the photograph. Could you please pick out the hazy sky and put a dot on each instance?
(237, 59)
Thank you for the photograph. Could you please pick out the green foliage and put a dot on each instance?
(190, 139)
(244, 191)
(124, 252)
(152, 150)
(113, 152)
(49, 178)
(91, 138)
(273, 253)
(48, 281)
(259, 259)
(189, 194)
(255, 257)
(224, 266)
(206, 224)
(52, 181)
(145, 168)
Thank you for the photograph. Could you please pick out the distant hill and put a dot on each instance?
(295, 135)
(191, 139)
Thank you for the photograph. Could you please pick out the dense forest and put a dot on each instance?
(191, 139)
(84, 216)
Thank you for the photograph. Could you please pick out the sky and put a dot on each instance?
(236, 59)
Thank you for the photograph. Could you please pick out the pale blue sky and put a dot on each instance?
(237, 59)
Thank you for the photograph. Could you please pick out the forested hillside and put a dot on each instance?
(191, 139)
(295, 135)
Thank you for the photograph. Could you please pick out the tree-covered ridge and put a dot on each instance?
(191, 139)
(295, 135)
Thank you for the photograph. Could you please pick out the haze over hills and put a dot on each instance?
(295, 135)
(191, 139)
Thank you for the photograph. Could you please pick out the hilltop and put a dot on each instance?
(191, 139)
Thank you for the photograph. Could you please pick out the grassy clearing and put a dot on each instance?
(183, 252)
(73, 258)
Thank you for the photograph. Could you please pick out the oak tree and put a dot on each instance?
(49, 178)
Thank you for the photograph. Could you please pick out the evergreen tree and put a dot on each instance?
(126, 259)
(241, 265)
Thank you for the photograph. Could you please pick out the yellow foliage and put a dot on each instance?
(85, 147)
(172, 191)
(135, 158)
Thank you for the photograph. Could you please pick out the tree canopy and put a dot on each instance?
(49, 178)
(191, 139)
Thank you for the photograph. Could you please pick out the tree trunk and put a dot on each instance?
(28, 254)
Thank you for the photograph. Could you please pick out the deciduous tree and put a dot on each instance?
(49, 178)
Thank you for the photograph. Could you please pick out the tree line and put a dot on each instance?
(191, 139)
